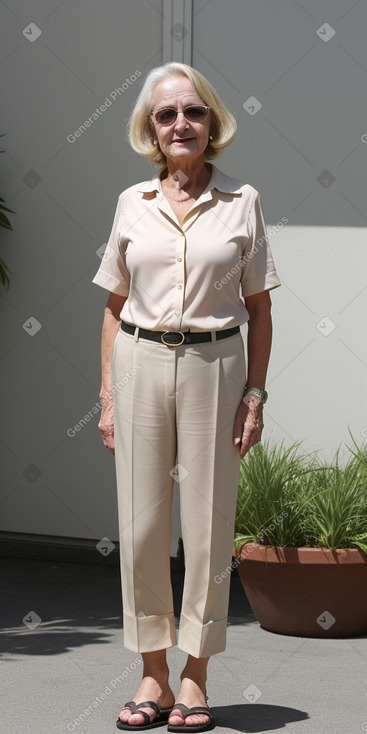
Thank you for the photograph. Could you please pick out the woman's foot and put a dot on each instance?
(149, 690)
(191, 694)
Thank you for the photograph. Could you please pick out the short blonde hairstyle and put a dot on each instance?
(141, 131)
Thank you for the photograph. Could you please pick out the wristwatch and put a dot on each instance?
(262, 394)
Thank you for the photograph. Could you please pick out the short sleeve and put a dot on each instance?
(259, 272)
(112, 273)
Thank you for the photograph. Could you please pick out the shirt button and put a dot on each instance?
(177, 313)
(179, 286)
(179, 259)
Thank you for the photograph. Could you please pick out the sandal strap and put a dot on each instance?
(186, 711)
(135, 708)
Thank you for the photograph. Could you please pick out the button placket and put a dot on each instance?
(180, 279)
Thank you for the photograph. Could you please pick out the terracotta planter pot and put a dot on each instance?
(308, 592)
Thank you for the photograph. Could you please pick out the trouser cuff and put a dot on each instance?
(147, 634)
(202, 640)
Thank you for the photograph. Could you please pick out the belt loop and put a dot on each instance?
(136, 334)
(214, 337)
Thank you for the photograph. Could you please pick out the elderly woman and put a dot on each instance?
(187, 262)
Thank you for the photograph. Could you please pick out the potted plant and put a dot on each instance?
(301, 541)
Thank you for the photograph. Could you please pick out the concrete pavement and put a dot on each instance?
(70, 672)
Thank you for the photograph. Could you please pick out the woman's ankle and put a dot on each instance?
(199, 680)
(155, 666)
(159, 676)
(196, 670)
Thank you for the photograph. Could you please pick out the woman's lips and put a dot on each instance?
(181, 141)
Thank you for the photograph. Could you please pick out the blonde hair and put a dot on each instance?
(140, 129)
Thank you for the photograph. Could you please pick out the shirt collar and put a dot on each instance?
(218, 180)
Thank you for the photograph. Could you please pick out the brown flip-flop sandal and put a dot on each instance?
(161, 718)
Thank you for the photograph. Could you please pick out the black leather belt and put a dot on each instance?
(176, 338)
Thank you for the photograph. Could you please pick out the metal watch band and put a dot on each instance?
(262, 394)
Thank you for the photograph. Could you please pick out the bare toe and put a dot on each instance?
(176, 718)
(137, 718)
(197, 719)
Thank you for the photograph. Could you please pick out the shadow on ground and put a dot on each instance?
(256, 717)
(78, 604)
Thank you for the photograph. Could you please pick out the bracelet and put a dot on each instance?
(262, 394)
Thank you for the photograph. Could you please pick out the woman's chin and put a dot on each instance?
(184, 154)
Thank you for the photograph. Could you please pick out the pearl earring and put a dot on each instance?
(155, 142)
(210, 137)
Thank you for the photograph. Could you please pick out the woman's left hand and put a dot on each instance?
(248, 424)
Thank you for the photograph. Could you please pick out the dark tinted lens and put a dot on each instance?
(166, 116)
(195, 114)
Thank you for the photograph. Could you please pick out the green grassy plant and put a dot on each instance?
(287, 498)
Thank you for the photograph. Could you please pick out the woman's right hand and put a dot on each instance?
(106, 426)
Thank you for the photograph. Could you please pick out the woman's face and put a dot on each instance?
(181, 139)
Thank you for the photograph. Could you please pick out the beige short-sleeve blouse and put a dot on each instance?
(190, 275)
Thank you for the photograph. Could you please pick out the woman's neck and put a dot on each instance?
(188, 175)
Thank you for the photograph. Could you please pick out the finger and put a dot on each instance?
(111, 445)
(108, 443)
(238, 428)
(237, 434)
(245, 448)
(248, 440)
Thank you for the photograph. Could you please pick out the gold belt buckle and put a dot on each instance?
(168, 344)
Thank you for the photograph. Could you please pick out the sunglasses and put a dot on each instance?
(192, 113)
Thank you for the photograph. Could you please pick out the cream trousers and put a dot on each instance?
(174, 415)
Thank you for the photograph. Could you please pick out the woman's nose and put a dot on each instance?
(181, 122)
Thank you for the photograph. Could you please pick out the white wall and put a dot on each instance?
(317, 377)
